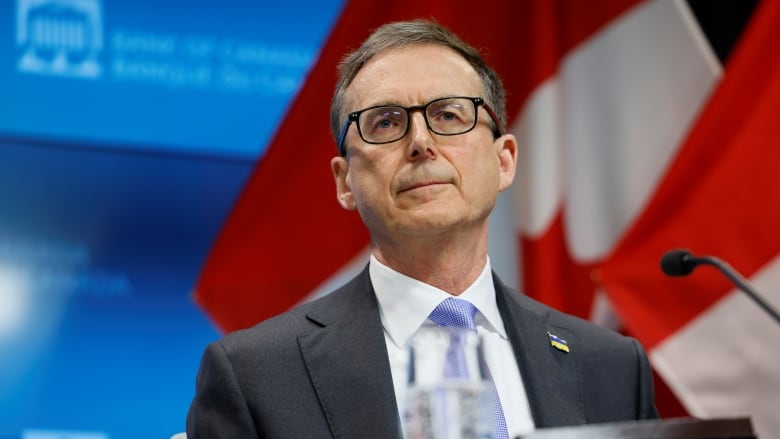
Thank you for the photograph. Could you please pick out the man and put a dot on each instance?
(419, 121)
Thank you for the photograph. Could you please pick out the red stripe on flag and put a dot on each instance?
(287, 234)
(553, 277)
(721, 196)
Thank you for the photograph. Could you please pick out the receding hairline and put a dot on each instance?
(393, 51)
(404, 34)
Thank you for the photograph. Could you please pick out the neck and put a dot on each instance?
(450, 264)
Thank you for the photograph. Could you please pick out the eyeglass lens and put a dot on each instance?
(446, 116)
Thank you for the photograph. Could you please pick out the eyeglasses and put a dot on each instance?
(444, 116)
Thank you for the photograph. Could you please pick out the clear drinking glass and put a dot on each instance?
(439, 405)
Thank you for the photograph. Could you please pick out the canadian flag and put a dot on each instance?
(634, 140)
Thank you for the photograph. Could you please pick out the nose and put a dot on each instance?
(421, 144)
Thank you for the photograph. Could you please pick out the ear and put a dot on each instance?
(339, 166)
(506, 148)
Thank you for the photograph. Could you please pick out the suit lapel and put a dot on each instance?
(551, 377)
(347, 362)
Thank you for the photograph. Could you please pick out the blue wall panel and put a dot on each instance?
(127, 130)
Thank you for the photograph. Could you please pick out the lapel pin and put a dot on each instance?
(558, 343)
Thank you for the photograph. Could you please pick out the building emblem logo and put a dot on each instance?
(59, 37)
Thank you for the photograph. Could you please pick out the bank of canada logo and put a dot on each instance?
(59, 37)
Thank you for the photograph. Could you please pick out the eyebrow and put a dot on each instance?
(398, 104)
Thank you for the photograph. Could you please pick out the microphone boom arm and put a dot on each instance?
(736, 278)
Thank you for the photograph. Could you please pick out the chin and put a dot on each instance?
(431, 223)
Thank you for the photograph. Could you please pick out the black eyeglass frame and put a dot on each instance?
(478, 102)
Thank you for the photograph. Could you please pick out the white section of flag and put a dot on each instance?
(502, 243)
(538, 186)
(600, 135)
(630, 94)
(726, 362)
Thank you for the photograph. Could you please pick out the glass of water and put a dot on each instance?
(448, 394)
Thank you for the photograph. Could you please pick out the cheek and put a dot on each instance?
(481, 175)
(368, 180)
(375, 164)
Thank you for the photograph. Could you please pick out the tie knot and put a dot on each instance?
(455, 313)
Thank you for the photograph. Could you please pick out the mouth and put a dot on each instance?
(423, 185)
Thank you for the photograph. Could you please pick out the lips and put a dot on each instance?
(424, 179)
(419, 177)
(421, 185)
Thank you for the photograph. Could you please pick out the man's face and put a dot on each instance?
(423, 184)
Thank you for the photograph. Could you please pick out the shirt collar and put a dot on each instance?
(405, 303)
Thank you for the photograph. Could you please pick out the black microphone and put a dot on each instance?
(682, 262)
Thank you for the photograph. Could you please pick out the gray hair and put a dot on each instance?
(414, 33)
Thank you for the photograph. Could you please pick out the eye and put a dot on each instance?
(450, 111)
(384, 118)
(448, 116)
(382, 123)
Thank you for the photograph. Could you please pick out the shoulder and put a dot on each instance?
(282, 331)
(615, 375)
(588, 336)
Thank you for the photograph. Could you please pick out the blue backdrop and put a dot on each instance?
(127, 130)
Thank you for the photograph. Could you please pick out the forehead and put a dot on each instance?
(412, 75)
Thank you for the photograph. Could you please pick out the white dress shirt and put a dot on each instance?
(404, 306)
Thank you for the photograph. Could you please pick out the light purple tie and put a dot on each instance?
(459, 313)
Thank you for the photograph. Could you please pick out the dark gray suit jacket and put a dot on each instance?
(322, 371)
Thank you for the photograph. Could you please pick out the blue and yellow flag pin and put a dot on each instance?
(558, 343)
